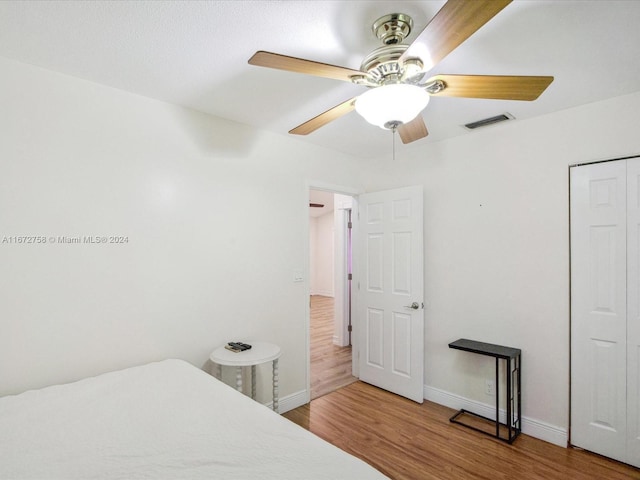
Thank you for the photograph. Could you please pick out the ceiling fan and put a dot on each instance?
(395, 73)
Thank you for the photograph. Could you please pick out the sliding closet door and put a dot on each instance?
(633, 311)
(598, 308)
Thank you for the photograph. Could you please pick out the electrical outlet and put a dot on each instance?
(489, 387)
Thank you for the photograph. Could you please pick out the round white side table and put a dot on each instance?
(259, 352)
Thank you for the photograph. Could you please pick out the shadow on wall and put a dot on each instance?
(216, 135)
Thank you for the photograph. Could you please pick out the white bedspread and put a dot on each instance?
(162, 420)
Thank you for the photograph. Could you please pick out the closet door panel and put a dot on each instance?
(633, 311)
(599, 308)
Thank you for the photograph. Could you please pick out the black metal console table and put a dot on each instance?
(513, 359)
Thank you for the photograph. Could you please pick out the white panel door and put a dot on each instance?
(599, 308)
(633, 312)
(391, 282)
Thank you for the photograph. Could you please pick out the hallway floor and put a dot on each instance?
(330, 364)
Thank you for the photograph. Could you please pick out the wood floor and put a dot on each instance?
(330, 364)
(405, 440)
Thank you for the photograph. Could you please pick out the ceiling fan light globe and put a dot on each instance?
(391, 104)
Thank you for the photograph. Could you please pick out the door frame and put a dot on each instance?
(342, 190)
(341, 252)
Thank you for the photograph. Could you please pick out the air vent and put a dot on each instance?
(489, 121)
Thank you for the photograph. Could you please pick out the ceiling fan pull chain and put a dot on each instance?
(393, 142)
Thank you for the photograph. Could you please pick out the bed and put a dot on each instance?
(162, 420)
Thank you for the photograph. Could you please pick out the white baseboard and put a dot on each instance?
(290, 402)
(532, 427)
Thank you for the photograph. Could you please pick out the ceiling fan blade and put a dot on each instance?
(300, 65)
(414, 130)
(456, 21)
(324, 118)
(499, 87)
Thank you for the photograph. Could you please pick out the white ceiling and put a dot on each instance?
(195, 54)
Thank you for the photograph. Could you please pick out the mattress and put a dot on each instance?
(164, 420)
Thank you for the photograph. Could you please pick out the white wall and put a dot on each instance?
(322, 277)
(207, 261)
(497, 247)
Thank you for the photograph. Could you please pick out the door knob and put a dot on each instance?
(414, 305)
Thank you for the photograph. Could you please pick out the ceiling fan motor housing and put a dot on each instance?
(383, 66)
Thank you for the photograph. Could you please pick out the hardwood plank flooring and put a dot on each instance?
(405, 440)
(330, 364)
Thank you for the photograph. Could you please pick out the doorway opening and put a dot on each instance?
(330, 291)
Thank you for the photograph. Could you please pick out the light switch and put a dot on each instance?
(298, 276)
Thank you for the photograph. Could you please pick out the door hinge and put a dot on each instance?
(350, 328)
(350, 276)
(350, 225)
